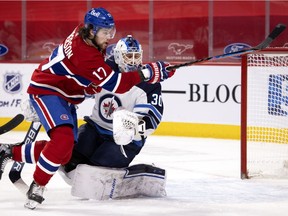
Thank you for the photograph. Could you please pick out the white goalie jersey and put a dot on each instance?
(144, 99)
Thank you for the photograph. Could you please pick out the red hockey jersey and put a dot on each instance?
(72, 67)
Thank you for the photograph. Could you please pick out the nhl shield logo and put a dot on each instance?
(12, 83)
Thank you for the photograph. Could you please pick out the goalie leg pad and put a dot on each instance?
(101, 183)
(67, 176)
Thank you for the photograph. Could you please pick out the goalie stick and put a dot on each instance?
(17, 167)
(14, 122)
(274, 34)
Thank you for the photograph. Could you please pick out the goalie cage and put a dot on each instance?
(264, 114)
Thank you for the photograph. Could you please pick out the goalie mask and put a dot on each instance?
(128, 54)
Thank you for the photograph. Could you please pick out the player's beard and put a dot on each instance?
(103, 46)
(100, 46)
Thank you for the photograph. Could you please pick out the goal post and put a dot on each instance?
(264, 114)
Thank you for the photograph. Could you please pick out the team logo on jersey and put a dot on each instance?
(108, 103)
(12, 82)
(3, 49)
(235, 47)
(178, 49)
(64, 117)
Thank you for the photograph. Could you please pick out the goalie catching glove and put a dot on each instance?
(156, 72)
(126, 126)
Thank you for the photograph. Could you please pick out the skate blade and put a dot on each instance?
(30, 204)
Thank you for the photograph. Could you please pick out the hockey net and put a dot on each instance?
(264, 114)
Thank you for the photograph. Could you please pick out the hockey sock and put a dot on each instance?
(57, 151)
(28, 153)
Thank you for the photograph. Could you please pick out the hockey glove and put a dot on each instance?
(156, 72)
(125, 126)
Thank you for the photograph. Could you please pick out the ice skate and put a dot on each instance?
(5, 156)
(34, 195)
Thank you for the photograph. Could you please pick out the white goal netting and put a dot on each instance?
(267, 114)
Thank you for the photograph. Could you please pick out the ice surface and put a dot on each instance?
(203, 178)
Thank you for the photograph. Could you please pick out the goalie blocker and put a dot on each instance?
(101, 183)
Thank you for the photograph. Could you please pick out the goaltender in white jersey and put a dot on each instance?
(114, 134)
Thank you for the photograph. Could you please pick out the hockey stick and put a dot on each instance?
(17, 167)
(14, 122)
(274, 34)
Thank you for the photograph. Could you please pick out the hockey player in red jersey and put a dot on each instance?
(98, 142)
(76, 67)
(114, 135)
